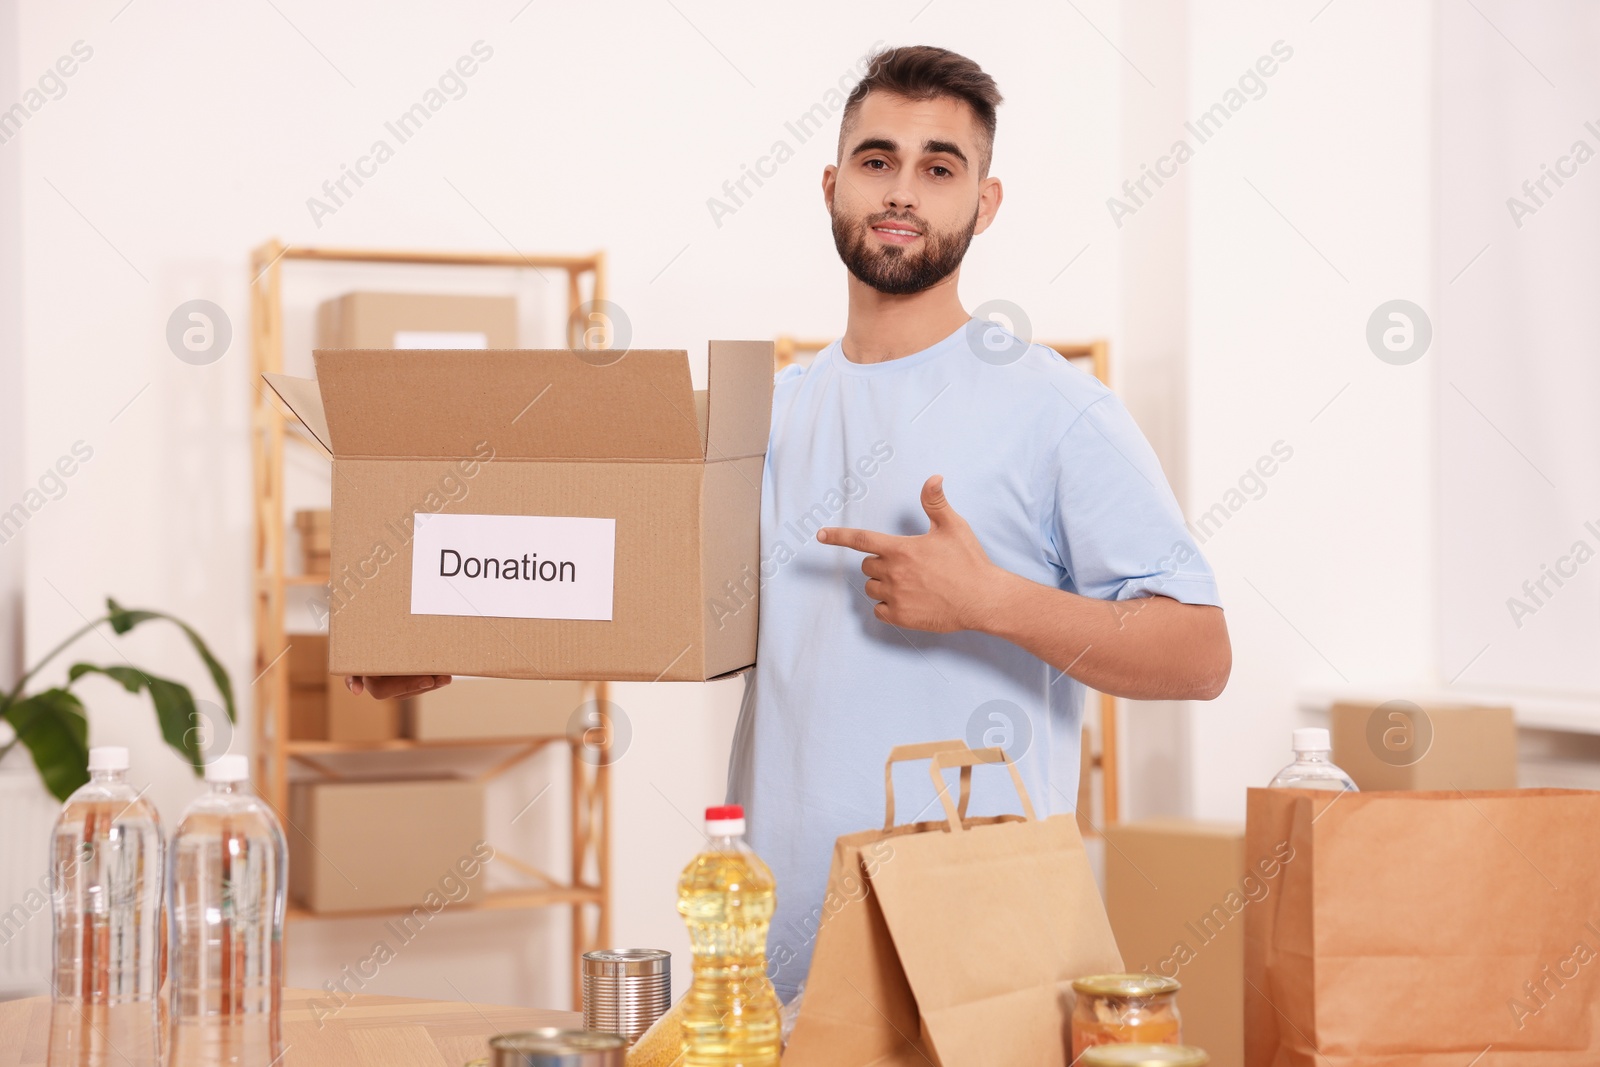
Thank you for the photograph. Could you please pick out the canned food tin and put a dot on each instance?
(551, 1047)
(625, 990)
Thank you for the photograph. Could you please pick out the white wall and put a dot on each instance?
(1150, 362)
(22, 951)
(11, 424)
(198, 130)
(1519, 447)
(1313, 205)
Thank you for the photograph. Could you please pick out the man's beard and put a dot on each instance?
(900, 270)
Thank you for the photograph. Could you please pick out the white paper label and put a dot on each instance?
(512, 566)
(440, 339)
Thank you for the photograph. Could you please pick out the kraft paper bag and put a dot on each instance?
(953, 942)
(1424, 929)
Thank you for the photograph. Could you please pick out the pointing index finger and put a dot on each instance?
(869, 541)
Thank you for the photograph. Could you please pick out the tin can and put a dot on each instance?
(625, 990)
(552, 1047)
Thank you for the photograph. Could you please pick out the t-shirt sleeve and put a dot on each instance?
(1114, 526)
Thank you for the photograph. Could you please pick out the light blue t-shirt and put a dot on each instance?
(1058, 484)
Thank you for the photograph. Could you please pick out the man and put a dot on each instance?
(959, 530)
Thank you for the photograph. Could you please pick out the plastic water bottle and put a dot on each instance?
(226, 883)
(726, 897)
(105, 891)
(1312, 768)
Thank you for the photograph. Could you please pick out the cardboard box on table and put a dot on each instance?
(614, 457)
(494, 708)
(364, 846)
(1400, 745)
(417, 320)
(1176, 891)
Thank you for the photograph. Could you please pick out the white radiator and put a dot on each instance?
(26, 815)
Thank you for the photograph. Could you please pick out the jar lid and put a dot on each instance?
(627, 962)
(1126, 985)
(1143, 1056)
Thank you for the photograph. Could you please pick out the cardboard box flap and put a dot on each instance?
(526, 403)
(702, 414)
(301, 396)
(740, 398)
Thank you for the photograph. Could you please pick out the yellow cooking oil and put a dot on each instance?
(726, 897)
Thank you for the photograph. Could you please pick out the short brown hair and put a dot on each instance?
(923, 72)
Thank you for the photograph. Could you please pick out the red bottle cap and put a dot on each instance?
(725, 811)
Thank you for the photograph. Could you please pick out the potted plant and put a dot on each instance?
(51, 723)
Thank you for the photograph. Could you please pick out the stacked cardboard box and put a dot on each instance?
(315, 530)
(370, 845)
(495, 708)
(1176, 891)
(322, 707)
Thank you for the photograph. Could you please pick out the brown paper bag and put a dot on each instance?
(952, 942)
(1424, 929)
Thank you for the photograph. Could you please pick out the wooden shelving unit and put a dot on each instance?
(587, 887)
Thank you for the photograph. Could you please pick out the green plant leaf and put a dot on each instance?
(124, 619)
(132, 678)
(52, 726)
(180, 725)
(175, 709)
(52, 723)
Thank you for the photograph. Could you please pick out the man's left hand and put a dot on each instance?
(940, 581)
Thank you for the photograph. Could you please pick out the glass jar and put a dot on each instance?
(1144, 1056)
(1122, 1009)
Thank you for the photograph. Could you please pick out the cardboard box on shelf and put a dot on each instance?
(321, 706)
(1401, 745)
(308, 713)
(370, 845)
(308, 660)
(417, 320)
(610, 533)
(493, 708)
(314, 529)
(333, 713)
(1176, 891)
(361, 718)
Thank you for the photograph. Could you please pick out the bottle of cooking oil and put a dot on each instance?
(726, 897)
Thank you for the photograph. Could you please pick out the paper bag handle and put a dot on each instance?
(925, 750)
(965, 760)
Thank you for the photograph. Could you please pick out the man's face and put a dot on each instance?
(909, 166)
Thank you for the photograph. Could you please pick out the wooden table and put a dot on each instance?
(368, 1030)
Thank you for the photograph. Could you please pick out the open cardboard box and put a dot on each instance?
(546, 514)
